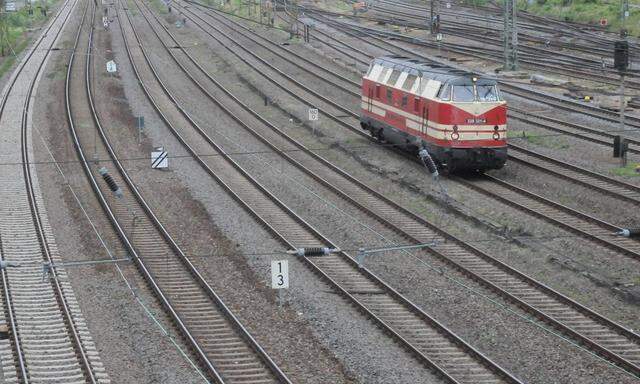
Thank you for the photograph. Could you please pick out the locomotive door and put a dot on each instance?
(424, 119)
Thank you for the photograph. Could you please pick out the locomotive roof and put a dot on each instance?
(432, 71)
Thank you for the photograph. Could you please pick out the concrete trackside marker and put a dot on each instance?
(280, 277)
(159, 158)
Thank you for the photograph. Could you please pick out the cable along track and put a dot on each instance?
(225, 349)
(432, 343)
(615, 342)
(48, 334)
(563, 216)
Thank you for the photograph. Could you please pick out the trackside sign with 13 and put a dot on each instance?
(279, 274)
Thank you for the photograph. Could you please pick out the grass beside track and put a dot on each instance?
(587, 11)
(631, 170)
(16, 34)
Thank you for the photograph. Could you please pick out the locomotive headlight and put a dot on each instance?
(455, 136)
(496, 136)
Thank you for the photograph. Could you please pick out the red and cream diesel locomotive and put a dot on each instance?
(458, 117)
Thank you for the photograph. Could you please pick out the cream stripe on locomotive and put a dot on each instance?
(440, 131)
(476, 109)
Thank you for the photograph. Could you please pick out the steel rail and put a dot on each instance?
(344, 258)
(527, 59)
(462, 29)
(23, 369)
(84, 361)
(315, 173)
(151, 280)
(539, 96)
(585, 225)
(613, 187)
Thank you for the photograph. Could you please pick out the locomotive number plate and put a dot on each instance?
(476, 121)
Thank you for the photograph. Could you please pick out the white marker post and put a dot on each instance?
(140, 126)
(111, 66)
(313, 117)
(159, 158)
(439, 40)
(279, 277)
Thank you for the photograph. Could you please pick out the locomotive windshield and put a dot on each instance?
(487, 93)
(467, 93)
(463, 93)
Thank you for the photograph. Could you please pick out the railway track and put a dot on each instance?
(226, 351)
(517, 90)
(529, 57)
(615, 342)
(577, 222)
(615, 188)
(431, 342)
(49, 337)
(556, 30)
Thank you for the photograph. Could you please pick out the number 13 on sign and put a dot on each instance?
(279, 274)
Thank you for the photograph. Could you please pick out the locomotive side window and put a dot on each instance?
(416, 104)
(377, 91)
(389, 95)
(369, 70)
(487, 93)
(383, 75)
(445, 92)
(405, 100)
(394, 77)
(463, 93)
(408, 83)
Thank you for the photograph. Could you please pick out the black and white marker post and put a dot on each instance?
(280, 278)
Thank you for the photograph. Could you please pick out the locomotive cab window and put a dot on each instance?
(416, 104)
(463, 93)
(377, 91)
(445, 92)
(389, 95)
(487, 93)
(405, 100)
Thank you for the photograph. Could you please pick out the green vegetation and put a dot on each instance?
(629, 171)
(158, 5)
(553, 141)
(475, 3)
(16, 24)
(587, 11)
(13, 33)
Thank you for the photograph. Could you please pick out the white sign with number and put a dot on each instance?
(439, 37)
(313, 114)
(10, 6)
(279, 274)
(448, 5)
(111, 66)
